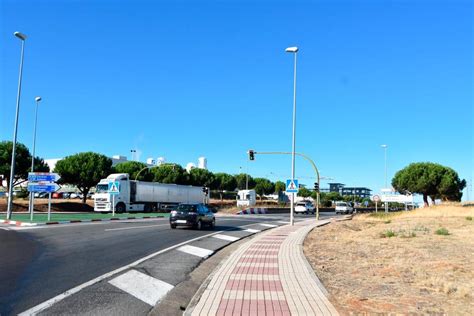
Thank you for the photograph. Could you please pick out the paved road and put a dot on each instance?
(40, 263)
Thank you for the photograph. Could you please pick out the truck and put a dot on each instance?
(246, 198)
(136, 196)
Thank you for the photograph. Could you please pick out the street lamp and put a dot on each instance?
(32, 197)
(385, 154)
(293, 50)
(22, 37)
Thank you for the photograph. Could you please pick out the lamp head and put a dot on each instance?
(384, 146)
(20, 35)
(292, 49)
(37, 99)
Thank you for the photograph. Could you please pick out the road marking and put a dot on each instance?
(250, 230)
(134, 227)
(142, 286)
(268, 225)
(46, 304)
(196, 251)
(226, 237)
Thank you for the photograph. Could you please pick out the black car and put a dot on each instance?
(192, 215)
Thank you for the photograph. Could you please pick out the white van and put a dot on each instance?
(344, 208)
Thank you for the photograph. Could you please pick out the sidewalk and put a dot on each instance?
(268, 275)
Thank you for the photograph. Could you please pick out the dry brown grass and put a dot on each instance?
(415, 271)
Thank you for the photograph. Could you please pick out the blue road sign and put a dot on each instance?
(43, 177)
(43, 187)
(292, 186)
(114, 187)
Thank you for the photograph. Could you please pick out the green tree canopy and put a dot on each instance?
(429, 179)
(22, 162)
(263, 186)
(304, 192)
(241, 179)
(133, 168)
(224, 182)
(201, 177)
(170, 173)
(280, 187)
(84, 170)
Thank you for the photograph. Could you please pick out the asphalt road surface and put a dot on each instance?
(40, 263)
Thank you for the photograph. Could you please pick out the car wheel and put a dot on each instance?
(173, 226)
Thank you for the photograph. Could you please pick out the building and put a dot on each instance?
(362, 192)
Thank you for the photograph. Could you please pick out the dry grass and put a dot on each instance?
(413, 271)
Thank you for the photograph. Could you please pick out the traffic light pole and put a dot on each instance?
(301, 155)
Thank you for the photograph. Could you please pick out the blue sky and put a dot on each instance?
(184, 79)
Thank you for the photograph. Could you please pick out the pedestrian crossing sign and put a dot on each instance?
(114, 187)
(292, 186)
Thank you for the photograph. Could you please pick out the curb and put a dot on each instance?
(249, 211)
(73, 221)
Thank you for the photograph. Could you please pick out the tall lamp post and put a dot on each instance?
(293, 50)
(385, 159)
(22, 37)
(32, 197)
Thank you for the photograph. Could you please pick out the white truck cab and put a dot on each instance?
(246, 198)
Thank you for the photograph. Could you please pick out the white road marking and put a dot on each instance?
(226, 237)
(142, 286)
(197, 251)
(268, 225)
(250, 230)
(46, 304)
(134, 227)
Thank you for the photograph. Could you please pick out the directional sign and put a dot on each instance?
(292, 186)
(43, 187)
(114, 187)
(43, 177)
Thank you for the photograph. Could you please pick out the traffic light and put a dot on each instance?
(205, 190)
(316, 187)
(251, 155)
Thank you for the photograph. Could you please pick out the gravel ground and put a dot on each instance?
(415, 271)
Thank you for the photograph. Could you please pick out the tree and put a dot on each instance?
(133, 168)
(170, 173)
(280, 187)
(224, 182)
(241, 180)
(429, 179)
(263, 186)
(84, 170)
(22, 162)
(304, 192)
(201, 177)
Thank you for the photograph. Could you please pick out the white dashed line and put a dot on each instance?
(226, 237)
(196, 251)
(142, 286)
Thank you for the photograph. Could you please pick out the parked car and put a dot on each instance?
(344, 208)
(66, 195)
(41, 195)
(305, 207)
(192, 215)
(74, 195)
(57, 195)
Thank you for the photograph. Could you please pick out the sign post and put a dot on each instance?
(42, 182)
(376, 199)
(114, 189)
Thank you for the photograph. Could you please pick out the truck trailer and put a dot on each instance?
(135, 196)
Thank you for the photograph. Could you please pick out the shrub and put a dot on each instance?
(469, 218)
(388, 233)
(442, 231)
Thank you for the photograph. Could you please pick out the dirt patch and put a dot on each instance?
(57, 205)
(400, 263)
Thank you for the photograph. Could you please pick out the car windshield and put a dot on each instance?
(341, 204)
(102, 188)
(187, 208)
(300, 204)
